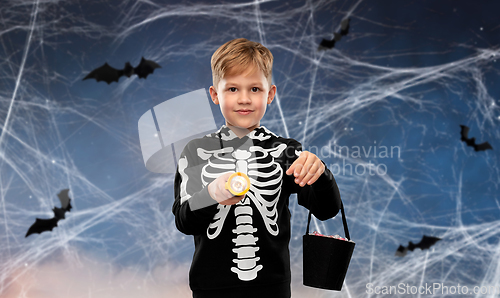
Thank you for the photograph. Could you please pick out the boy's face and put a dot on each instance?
(243, 99)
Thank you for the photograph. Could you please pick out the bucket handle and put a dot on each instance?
(346, 230)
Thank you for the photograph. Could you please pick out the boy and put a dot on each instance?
(241, 242)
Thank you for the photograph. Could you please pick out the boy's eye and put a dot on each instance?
(232, 89)
(255, 89)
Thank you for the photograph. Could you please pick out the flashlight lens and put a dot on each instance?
(238, 183)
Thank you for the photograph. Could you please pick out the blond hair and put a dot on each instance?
(238, 55)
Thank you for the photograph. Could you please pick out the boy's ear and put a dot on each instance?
(213, 95)
(271, 94)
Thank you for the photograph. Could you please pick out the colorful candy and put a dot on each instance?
(316, 233)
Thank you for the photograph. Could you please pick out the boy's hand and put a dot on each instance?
(307, 168)
(217, 190)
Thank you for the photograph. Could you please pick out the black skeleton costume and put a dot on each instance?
(242, 250)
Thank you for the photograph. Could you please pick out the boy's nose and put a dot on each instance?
(244, 98)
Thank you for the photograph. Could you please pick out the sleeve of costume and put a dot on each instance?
(322, 197)
(193, 207)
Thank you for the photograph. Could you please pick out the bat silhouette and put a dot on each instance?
(425, 243)
(344, 29)
(110, 74)
(472, 141)
(42, 225)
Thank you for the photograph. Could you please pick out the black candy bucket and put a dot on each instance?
(326, 259)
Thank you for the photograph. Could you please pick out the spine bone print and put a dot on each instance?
(245, 242)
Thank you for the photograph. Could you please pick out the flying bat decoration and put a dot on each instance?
(425, 243)
(42, 225)
(109, 74)
(337, 36)
(472, 141)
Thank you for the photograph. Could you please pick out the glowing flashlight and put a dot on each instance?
(238, 183)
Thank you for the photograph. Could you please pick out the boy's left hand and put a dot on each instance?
(307, 168)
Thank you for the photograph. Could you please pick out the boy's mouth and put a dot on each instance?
(244, 111)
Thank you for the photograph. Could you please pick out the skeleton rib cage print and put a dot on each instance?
(265, 175)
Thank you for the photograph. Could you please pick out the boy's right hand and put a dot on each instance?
(217, 190)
